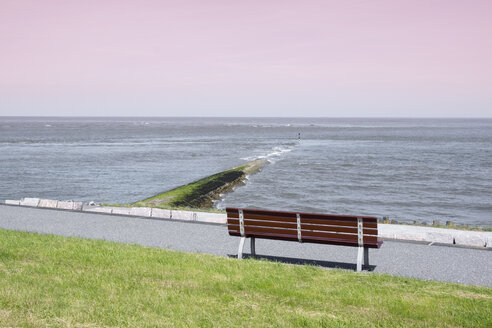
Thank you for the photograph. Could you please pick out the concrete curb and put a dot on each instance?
(33, 202)
(149, 212)
(436, 235)
(386, 231)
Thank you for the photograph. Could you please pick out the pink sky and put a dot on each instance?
(246, 58)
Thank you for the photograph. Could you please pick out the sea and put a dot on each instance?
(405, 169)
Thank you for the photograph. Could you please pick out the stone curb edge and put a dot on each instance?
(481, 239)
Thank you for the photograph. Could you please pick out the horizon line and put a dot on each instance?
(197, 116)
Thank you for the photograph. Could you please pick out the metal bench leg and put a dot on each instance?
(240, 250)
(253, 251)
(366, 256)
(359, 258)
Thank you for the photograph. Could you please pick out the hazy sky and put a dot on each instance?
(246, 58)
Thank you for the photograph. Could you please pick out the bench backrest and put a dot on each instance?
(304, 227)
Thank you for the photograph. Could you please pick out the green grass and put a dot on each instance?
(69, 282)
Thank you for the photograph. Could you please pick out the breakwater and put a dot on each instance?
(202, 193)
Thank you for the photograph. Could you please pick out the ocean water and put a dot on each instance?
(407, 169)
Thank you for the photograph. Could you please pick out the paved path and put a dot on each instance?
(444, 263)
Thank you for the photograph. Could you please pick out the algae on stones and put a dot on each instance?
(202, 193)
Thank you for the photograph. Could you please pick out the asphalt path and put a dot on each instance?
(469, 266)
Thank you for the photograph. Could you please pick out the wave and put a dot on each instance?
(272, 157)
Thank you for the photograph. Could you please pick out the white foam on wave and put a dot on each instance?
(273, 156)
(276, 154)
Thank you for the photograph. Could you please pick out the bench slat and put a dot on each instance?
(307, 233)
(366, 230)
(264, 217)
(231, 210)
(328, 235)
(288, 225)
(349, 222)
(352, 223)
(370, 219)
(261, 223)
(308, 239)
(250, 229)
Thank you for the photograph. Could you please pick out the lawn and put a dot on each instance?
(55, 281)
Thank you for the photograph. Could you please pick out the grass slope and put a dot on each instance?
(69, 282)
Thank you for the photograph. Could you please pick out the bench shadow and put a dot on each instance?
(298, 261)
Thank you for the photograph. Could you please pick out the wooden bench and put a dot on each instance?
(345, 230)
